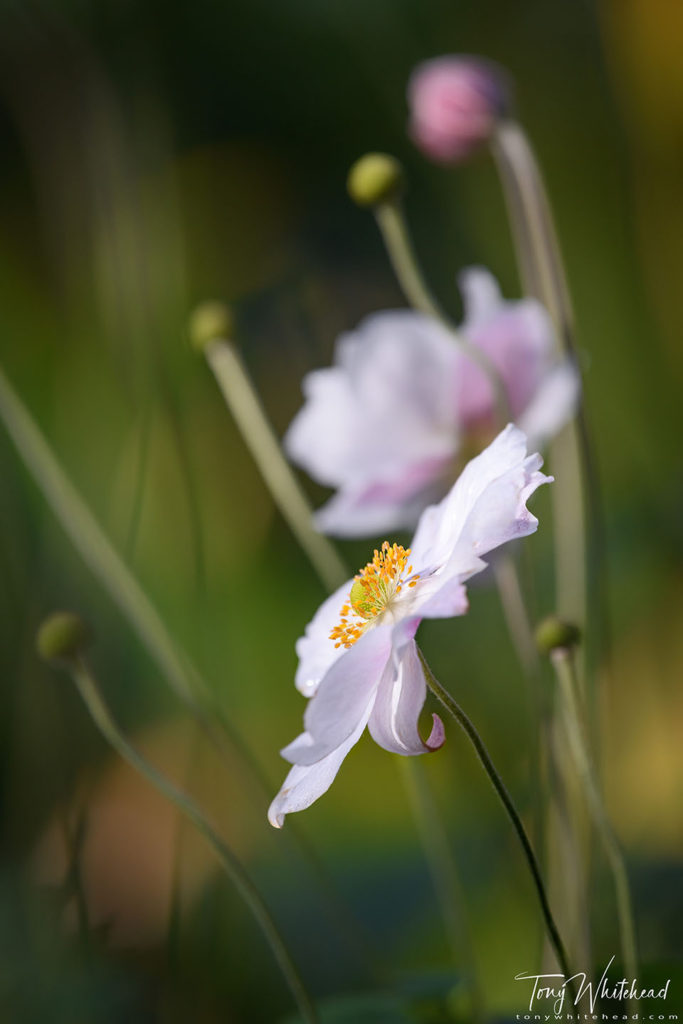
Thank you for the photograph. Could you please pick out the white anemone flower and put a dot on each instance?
(391, 422)
(358, 660)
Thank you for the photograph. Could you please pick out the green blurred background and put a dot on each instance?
(154, 155)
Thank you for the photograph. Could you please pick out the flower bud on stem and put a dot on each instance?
(386, 206)
(245, 405)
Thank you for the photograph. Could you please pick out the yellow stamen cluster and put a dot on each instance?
(373, 588)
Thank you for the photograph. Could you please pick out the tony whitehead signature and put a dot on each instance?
(555, 986)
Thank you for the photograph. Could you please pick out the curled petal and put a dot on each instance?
(400, 697)
(304, 784)
(484, 509)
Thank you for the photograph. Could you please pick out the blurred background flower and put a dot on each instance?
(154, 155)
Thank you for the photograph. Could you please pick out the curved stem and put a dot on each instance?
(475, 739)
(89, 691)
(245, 405)
(400, 250)
(566, 676)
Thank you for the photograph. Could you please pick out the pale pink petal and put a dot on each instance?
(518, 338)
(444, 599)
(553, 405)
(482, 298)
(381, 424)
(485, 508)
(315, 650)
(401, 695)
(384, 506)
(305, 783)
(326, 433)
(339, 702)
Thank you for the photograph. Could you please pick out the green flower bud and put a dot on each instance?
(210, 321)
(62, 636)
(553, 633)
(374, 179)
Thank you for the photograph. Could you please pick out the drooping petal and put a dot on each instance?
(400, 697)
(485, 508)
(305, 783)
(315, 650)
(339, 703)
(553, 405)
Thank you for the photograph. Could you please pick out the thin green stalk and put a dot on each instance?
(543, 276)
(108, 567)
(519, 627)
(575, 492)
(565, 672)
(516, 617)
(447, 885)
(89, 691)
(394, 230)
(475, 739)
(249, 414)
(173, 928)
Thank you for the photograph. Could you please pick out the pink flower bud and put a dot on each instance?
(454, 104)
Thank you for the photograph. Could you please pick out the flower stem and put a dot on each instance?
(394, 230)
(475, 739)
(519, 627)
(565, 672)
(447, 884)
(108, 567)
(89, 691)
(516, 616)
(244, 404)
(543, 276)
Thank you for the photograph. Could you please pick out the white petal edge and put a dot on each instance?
(304, 784)
(481, 295)
(315, 650)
